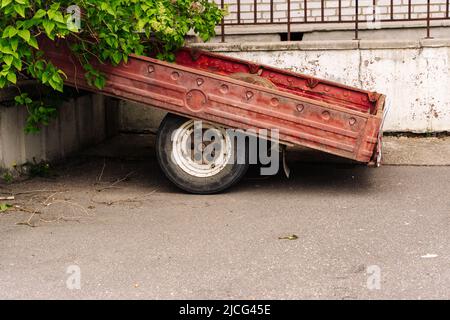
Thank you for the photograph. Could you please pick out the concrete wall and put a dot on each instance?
(135, 117)
(81, 122)
(415, 76)
(378, 34)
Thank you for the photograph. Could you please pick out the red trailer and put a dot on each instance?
(225, 92)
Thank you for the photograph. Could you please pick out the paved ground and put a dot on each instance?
(133, 235)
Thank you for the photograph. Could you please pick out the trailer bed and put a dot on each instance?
(307, 111)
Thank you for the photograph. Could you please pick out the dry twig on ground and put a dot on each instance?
(133, 199)
(99, 178)
(112, 185)
(47, 203)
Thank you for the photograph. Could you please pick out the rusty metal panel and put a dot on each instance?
(343, 121)
(299, 84)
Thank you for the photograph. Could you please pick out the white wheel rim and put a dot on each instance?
(207, 166)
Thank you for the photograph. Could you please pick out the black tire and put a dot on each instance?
(224, 179)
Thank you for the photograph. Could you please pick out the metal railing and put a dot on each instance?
(395, 11)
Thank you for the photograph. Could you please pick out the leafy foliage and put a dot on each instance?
(110, 31)
(4, 207)
(37, 169)
(7, 177)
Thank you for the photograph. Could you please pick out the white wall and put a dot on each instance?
(414, 75)
(80, 123)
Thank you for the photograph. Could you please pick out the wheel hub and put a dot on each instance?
(201, 153)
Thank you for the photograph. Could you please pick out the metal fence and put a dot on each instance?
(267, 12)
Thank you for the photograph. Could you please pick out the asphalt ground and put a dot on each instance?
(110, 217)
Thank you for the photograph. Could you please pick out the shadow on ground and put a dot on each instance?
(309, 169)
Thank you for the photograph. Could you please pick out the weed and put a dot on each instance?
(4, 207)
(7, 177)
(37, 169)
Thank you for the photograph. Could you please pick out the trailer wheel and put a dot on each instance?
(184, 161)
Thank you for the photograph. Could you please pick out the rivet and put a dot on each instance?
(300, 107)
(151, 69)
(326, 115)
(224, 88)
(274, 102)
(175, 75)
(249, 95)
(352, 121)
(200, 81)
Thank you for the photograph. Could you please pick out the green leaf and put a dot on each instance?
(14, 43)
(25, 35)
(20, 10)
(59, 17)
(9, 32)
(39, 14)
(57, 78)
(8, 60)
(48, 26)
(55, 6)
(19, 99)
(12, 77)
(4, 207)
(5, 3)
(117, 56)
(33, 42)
(6, 49)
(57, 85)
(39, 65)
(45, 76)
(17, 63)
(99, 82)
(51, 13)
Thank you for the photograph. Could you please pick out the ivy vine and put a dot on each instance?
(108, 31)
